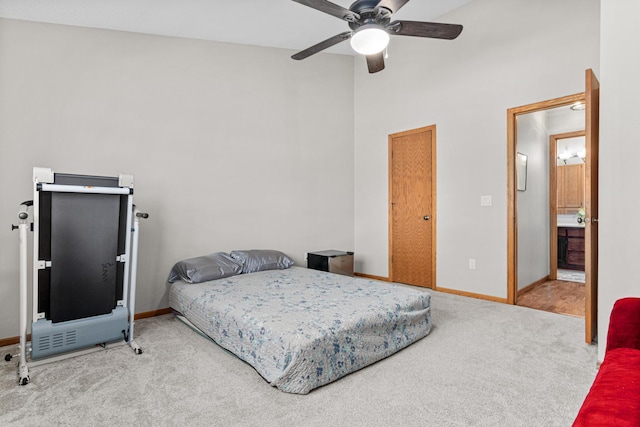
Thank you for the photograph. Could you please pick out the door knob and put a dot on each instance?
(426, 217)
(586, 220)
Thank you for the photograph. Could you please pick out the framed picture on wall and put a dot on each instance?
(521, 170)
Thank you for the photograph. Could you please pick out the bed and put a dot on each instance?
(301, 328)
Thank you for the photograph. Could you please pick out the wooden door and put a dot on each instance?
(560, 189)
(573, 187)
(412, 213)
(591, 205)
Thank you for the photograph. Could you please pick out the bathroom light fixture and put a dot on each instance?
(369, 39)
(565, 156)
(577, 106)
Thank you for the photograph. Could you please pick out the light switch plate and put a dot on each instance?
(485, 201)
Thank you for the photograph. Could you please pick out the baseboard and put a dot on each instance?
(371, 276)
(471, 295)
(16, 340)
(153, 313)
(531, 286)
(443, 290)
(11, 341)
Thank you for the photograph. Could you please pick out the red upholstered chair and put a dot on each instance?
(625, 318)
(614, 398)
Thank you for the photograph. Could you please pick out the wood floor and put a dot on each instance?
(556, 296)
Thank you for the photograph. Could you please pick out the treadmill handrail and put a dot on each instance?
(83, 189)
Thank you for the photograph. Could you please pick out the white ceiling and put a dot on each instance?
(274, 23)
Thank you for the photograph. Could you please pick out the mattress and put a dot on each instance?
(301, 328)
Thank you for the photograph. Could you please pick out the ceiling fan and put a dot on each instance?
(370, 23)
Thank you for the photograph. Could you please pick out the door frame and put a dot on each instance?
(512, 209)
(553, 199)
(433, 214)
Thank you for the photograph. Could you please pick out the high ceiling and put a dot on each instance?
(274, 23)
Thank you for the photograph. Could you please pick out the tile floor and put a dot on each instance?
(571, 275)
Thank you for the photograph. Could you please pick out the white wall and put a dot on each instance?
(619, 152)
(533, 203)
(75, 99)
(510, 53)
(231, 146)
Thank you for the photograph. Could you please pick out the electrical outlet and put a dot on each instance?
(472, 264)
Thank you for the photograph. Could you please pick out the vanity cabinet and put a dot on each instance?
(570, 188)
(571, 248)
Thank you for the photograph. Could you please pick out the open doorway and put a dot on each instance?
(567, 187)
(550, 196)
(518, 177)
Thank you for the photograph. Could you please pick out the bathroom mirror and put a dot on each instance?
(521, 168)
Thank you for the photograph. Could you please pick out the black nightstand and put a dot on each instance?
(338, 262)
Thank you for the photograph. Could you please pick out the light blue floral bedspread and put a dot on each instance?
(302, 328)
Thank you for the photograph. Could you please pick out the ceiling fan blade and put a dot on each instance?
(392, 5)
(433, 30)
(330, 8)
(375, 62)
(322, 45)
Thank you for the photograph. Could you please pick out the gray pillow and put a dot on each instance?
(203, 268)
(261, 260)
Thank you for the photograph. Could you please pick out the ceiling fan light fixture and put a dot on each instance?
(369, 39)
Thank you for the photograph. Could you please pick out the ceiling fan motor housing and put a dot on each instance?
(366, 9)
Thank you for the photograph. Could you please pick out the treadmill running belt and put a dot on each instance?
(84, 247)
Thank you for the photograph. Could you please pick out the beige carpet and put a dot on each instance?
(484, 364)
